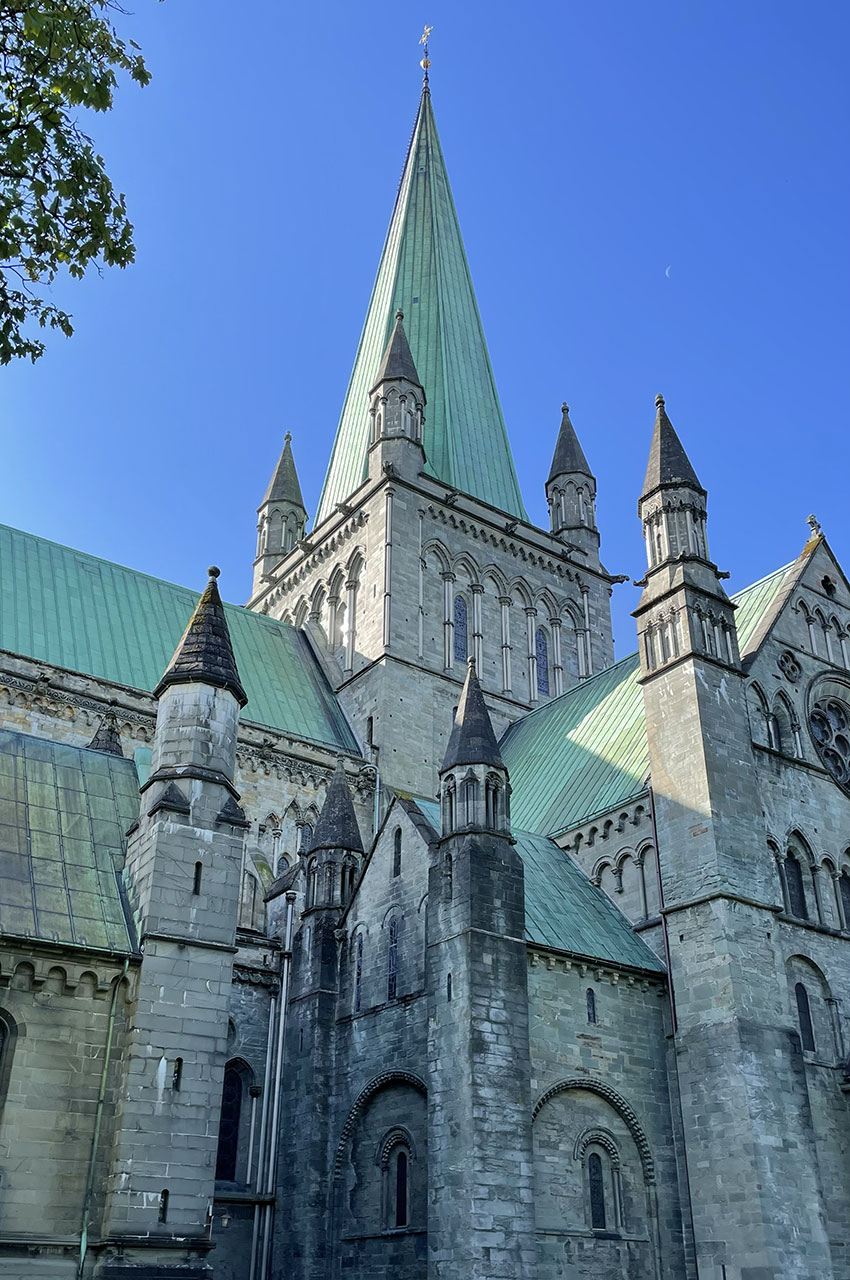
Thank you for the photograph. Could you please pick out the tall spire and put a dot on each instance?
(205, 654)
(472, 739)
(668, 462)
(424, 272)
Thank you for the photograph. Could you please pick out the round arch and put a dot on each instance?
(619, 1104)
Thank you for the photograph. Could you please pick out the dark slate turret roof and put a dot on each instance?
(569, 455)
(473, 740)
(337, 825)
(284, 486)
(205, 654)
(668, 462)
(398, 361)
(107, 737)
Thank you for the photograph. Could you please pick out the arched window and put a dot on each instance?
(305, 837)
(401, 1164)
(330, 882)
(397, 852)
(541, 645)
(358, 973)
(449, 798)
(196, 882)
(392, 959)
(177, 1074)
(469, 798)
(796, 890)
(804, 1017)
(491, 796)
(228, 1128)
(461, 638)
(349, 874)
(162, 1216)
(844, 889)
(596, 1184)
(312, 878)
(591, 1004)
(447, 878)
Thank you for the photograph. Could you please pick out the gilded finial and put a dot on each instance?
(399, 315)
(426, 61)
(565, 408)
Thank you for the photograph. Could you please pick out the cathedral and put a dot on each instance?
(385, 926)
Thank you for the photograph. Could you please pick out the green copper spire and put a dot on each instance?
(424, 273)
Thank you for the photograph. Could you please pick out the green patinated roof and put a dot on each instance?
(563, 909)
(63, 814)
(84, 614)
(586, 752)
(424, 273)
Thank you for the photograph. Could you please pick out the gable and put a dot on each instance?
(100, 619)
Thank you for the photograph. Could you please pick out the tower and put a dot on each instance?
(333, 864)
(481, 1213)
(571, 493)
(752, 1168)
(183, 866)
(281, 515)
(422, 553)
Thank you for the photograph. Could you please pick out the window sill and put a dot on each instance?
(814, 925)
(387, 1232)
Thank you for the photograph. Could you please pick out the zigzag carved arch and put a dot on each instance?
(619, 1104)
(374, 1086)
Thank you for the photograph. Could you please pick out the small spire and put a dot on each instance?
(472, 740)
(337, 827)
(205, 654)
(107, 738)
(284, 486)
(569, 455)
(397, 361)
(668, 463)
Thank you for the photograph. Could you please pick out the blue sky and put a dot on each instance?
(591, 148)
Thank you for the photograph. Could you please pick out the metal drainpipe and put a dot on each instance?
(98, 1118)
(261, 1148)
(268, 1210)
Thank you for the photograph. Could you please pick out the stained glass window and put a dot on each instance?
(597, 1191)
(804, 1016)
(542, 650)
(358, 974)
(228, 1128)
(392, 960)
(844, 888)
(401, 1189)
(461, 644)
(796, 891)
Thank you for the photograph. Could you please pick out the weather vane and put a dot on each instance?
(426, 61)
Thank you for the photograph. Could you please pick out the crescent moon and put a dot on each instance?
(667, 272)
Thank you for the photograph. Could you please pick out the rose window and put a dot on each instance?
(829, 721)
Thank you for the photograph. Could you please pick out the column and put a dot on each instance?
(505, 603)
(557, 664)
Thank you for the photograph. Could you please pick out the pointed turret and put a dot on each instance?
(205, 654)
(571, 493)
(472, 738)
(668, 463)
(281, 515)
(396, 410)
(423, 270)
(684, 606)
(473, 780)
(337, 826)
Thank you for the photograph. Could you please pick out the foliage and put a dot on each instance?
(58, 208)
